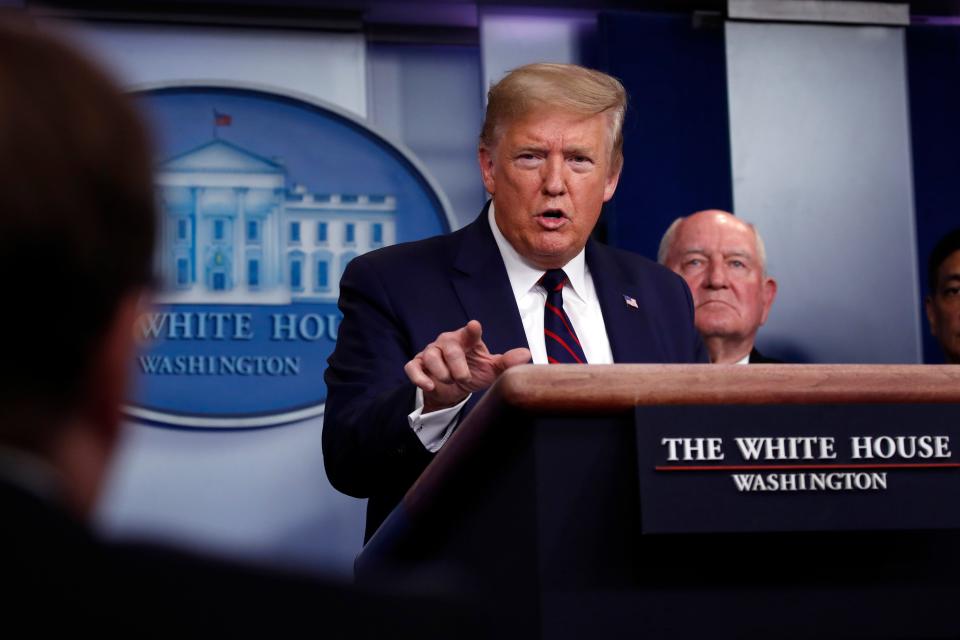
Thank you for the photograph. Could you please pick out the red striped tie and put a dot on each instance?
(563, 347)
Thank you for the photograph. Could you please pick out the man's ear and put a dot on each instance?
(485, 158)
(110, 367)
(769, 294)
(610, 186)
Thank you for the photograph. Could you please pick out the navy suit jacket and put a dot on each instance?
(758, 358)
(398, 299)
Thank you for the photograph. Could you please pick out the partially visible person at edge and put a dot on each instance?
(429, 325)
(724, 262)
(943, 300)
(77, 228)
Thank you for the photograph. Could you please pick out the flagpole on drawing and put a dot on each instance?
(220, 120)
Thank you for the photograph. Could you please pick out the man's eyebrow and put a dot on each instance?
(738, 253)
(950, 277)
(527, 148)
(579, 150)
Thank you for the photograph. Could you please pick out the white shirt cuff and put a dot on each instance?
(435, 427)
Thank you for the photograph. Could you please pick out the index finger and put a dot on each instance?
(470, 334)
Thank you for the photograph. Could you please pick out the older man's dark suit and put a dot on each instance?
(397, 300)
(758, 358)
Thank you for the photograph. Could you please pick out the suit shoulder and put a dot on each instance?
(641, 267)
(418, 260)
(434, 247)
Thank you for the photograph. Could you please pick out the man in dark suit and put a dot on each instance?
(723, 260)
(428, 326)
(77, 226)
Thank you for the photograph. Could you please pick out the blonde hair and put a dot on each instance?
(568, 87)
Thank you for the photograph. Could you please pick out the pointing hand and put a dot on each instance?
(456, 364)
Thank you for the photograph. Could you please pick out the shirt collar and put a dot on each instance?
(524, 276)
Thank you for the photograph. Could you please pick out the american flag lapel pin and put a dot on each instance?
(631, 302)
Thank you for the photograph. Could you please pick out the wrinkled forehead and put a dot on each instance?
(715, 234)
(530, 122)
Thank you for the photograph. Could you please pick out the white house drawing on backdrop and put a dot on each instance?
(233, 232)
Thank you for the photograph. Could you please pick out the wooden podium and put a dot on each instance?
(541, 507)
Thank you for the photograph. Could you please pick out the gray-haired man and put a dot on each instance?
(723, 260)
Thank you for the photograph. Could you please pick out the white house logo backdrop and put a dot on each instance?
(264, 199)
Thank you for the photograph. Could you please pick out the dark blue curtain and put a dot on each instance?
(677, 145)
(933, 65)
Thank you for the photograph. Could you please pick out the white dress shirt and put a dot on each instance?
(580, 303)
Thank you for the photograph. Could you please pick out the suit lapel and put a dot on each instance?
(481, 283)
(630, 329)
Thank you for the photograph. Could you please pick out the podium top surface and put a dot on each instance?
(618, 387)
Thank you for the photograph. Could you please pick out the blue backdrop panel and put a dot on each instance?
(677, 132)
(933, 64)
(264, 198)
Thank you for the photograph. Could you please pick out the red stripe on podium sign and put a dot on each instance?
(782, 467)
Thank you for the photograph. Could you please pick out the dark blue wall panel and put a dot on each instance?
(677, 145)
(933, 64)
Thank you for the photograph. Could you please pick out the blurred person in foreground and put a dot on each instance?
(724, 262)
(77, 226)
(943, 300)
(428, 326)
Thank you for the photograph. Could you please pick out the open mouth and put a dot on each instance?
(552, 220)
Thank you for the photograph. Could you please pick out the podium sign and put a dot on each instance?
(740, 468)
(832, 490)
